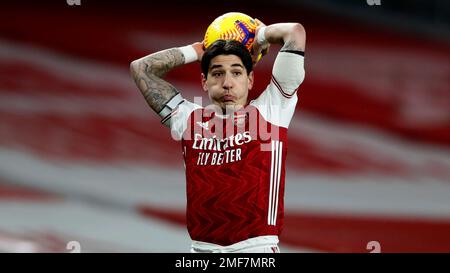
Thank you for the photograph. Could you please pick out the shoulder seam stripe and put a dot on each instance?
(285, 94)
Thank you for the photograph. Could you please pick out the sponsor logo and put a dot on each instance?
(215, 144)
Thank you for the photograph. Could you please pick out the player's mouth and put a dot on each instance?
(228, 98)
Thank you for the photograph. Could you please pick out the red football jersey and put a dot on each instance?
(235, 164)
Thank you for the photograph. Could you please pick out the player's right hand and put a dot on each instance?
(199, 49)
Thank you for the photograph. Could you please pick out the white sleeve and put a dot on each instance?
(277, 103)
(179, 118)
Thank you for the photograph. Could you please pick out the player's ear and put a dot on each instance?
(205, 88)
(250, 80)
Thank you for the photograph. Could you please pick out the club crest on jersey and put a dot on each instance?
(204, 125)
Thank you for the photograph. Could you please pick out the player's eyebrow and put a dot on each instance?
(220, 66)
(215, 66)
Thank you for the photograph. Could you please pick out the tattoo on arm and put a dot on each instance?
(148, 73)
(290, 45)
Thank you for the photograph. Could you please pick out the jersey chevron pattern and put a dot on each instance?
(235, 165)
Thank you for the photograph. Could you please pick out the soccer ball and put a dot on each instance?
(232, 26)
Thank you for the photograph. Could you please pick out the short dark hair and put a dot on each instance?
(226, 47)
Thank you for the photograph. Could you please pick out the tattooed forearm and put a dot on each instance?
(156, 91)
(162, 62)
(148, 73)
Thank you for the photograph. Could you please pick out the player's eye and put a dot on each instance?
(237, 73)
(217, 74)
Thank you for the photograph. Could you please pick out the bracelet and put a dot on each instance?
(261, 37)
(190, 55)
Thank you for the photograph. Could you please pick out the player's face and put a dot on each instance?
(227, 83)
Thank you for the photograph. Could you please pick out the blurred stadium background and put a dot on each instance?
(82, 157)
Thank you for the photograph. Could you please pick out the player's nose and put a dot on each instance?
(227, 82)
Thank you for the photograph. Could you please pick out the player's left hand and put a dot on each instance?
(258, 49)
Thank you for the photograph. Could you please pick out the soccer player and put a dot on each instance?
(234, 150)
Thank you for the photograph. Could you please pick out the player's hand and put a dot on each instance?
(258, 49)
(200, 49)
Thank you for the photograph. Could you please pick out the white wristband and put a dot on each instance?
(261, 37)
(190, 55)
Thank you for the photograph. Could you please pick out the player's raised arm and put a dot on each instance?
(277, 103)
(288, 70)
(291, 35)
(148, 73)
